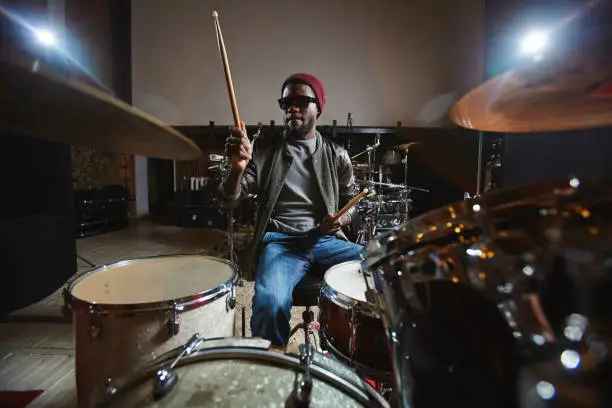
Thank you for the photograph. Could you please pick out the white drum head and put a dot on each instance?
(153, 279)
(346, 278)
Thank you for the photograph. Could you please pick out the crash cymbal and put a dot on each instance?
(38, 101)
(564, 88)
(60, 110)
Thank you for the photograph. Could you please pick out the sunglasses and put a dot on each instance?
(301, 102)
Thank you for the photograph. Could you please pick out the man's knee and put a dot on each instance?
(270, 302)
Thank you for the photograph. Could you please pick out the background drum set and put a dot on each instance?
(387, 205)
(500, 300)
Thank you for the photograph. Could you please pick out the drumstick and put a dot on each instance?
(228, 74)
(351, 203)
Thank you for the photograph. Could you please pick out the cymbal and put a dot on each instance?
(562, 90)
(39, 102)
(406, 146)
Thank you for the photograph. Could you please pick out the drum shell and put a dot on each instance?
(114, 344)
(371, 349)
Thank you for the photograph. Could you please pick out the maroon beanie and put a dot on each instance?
(313, 82)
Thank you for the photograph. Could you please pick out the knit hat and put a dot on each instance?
(313, 82)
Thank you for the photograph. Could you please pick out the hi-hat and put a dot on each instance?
(560, 90)
(39, 102)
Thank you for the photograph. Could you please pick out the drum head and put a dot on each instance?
(347, 279)
(155, 279)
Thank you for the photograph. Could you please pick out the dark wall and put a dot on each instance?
(557, 155)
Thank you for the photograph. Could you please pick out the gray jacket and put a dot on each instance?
(266, 172)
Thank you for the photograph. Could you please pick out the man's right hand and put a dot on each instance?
(238, 147)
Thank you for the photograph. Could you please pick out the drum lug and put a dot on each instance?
(66, 310)
(353, 324)
(231, 300)
(108, 386)
(95, 327)
(174, 324)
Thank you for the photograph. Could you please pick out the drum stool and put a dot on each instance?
(306, 294)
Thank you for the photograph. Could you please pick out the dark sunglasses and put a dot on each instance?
(301, 102)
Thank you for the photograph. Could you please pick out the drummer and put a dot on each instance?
(302, 179)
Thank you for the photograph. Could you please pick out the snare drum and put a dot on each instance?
(128, 313)
(350, 326)
(238, 372)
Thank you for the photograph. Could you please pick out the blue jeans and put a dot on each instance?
(283, 263)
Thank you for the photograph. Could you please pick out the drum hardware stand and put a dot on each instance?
(466, 195)
(494, 164)
(308, 324)
(349, 125)
(166, 378)
(300, 397)
(243, 321)
(371, 151)
(85, 260)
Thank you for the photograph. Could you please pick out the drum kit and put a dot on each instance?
(499, 300)
(388, 204)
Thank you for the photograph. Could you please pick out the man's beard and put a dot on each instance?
(301, 131)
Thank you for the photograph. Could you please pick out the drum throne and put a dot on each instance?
(306, 294)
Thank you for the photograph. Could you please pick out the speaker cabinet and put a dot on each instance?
(37, 220)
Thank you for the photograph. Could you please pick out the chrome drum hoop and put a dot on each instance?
(180, 304)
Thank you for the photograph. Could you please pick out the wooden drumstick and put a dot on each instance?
(351, 203)
(228, 74)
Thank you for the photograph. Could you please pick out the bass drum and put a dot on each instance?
(241, 372)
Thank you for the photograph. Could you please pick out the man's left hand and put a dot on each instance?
(330, 225)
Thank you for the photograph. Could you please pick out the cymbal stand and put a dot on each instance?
(405, 162)
(230, 254)
(232, 257)
(479, 170)
(466, 195)
(370, 150)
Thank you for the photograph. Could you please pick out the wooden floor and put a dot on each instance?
(36, 345)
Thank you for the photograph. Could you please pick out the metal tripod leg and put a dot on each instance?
(86, 261)
(230, 255)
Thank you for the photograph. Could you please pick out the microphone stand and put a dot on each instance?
(349, 125)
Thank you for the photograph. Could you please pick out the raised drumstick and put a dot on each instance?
(351, 203)
(228, 74)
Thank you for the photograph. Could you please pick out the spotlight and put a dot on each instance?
(534, 42)
(46, 37)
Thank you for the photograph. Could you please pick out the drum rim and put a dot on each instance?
(361, 392)
(345, 301)
(416, 232)
(182, 304)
